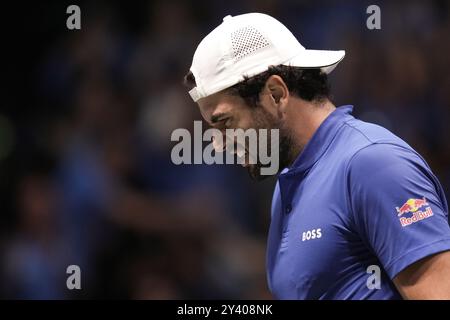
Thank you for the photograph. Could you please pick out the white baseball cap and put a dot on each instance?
(246, 45)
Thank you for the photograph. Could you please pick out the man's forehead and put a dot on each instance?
(206, 106)
(221, 102)
(212, 100)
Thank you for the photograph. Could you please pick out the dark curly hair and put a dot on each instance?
(308, 84)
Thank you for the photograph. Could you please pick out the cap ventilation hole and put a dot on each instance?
(245, 41)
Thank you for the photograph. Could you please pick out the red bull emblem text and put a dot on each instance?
(413, 206)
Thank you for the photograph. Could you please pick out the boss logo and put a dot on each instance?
(312, 234)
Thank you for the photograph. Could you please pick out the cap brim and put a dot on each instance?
(326, 60)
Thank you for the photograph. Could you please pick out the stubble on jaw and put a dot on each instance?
(288, 150)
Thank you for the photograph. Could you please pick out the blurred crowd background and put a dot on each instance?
(85, 124)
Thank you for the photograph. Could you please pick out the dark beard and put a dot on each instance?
(287, 148)
(285, 158)
(264, 120)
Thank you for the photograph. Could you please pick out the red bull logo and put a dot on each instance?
(413, 206)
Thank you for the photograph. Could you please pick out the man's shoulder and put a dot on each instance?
(359, 135)
(367, 144)
(370, 133)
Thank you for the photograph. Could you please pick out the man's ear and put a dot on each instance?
(278, 93)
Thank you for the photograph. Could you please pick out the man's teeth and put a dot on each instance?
(240, 151)
(218, 144)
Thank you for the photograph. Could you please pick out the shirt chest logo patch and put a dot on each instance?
(413, 210)
(312, 234)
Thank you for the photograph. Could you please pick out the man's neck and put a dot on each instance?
(306, 117)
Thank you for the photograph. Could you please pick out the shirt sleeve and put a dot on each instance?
(399, 207)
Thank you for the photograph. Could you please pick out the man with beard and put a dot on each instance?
(356, 213)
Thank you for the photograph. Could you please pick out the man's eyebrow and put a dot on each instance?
(217, 117)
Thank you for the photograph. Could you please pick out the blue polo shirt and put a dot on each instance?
(357, 206)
